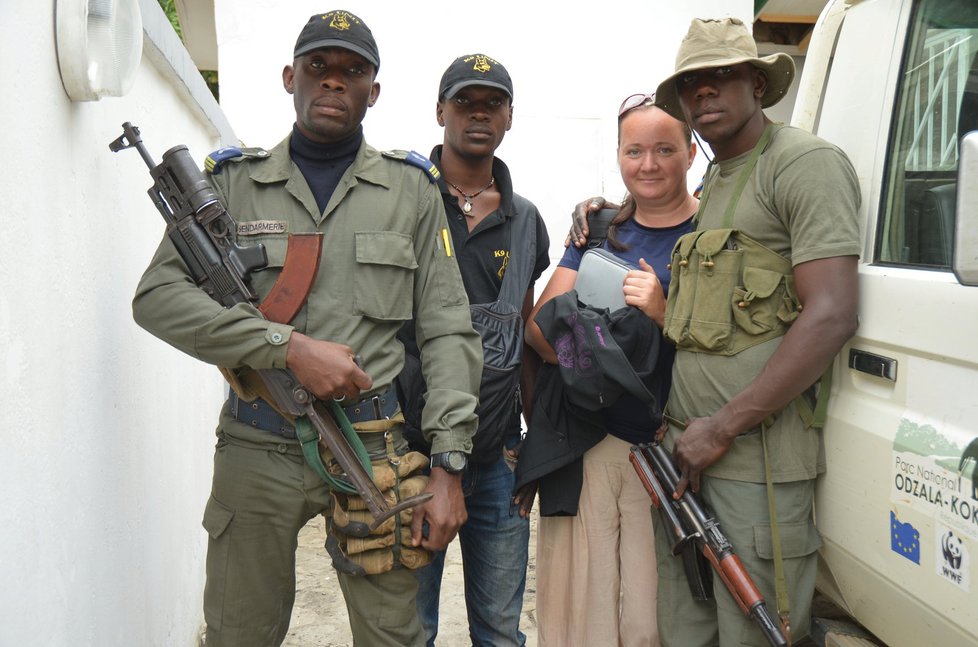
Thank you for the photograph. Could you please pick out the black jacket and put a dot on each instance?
(601, 355)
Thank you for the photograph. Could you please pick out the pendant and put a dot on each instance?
(467, 207)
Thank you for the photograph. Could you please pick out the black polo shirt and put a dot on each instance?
(482, 255)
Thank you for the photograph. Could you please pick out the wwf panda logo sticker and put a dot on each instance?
(952, 559)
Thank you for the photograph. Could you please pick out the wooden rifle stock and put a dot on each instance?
(696, 527)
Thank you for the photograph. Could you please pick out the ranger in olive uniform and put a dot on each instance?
(388, 259)
(763, 296)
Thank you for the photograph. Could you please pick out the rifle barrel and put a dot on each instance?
(703, 527)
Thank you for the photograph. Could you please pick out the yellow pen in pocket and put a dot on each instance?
(447, 242)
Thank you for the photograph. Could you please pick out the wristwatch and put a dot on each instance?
(451, 462)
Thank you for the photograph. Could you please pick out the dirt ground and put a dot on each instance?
(319, 617)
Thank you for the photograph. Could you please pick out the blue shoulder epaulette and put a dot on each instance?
(415, 158)
(213, 162)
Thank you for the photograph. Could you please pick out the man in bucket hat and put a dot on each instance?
(387, 260)
(781, 206)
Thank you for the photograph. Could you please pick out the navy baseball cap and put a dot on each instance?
(338, 29)
(474, 69)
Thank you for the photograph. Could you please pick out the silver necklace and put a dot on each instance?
(467, 207)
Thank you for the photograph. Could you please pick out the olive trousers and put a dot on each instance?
(741, 509)
(262, 495)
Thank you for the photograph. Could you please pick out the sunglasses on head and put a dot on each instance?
(634, 101)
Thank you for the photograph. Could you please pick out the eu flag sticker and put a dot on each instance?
(904, 539)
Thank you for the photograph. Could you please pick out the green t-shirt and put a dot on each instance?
(801, 201)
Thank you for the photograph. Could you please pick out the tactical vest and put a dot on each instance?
(728, 291)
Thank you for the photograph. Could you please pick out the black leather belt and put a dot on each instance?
(261, 415)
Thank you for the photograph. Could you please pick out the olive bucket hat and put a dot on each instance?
(718, 43)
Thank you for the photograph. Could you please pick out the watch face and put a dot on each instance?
(453, 462)
(456, 461)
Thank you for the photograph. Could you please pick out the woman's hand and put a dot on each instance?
(643, 290)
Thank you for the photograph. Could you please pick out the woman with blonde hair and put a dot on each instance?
(596, 573)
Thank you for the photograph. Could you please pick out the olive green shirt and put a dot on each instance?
(384, 261)
(802, 201)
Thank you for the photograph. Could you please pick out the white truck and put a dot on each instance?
(895, 84)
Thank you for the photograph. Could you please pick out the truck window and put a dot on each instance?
(936, 104)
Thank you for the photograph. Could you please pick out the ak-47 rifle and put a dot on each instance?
(203, 233)
(694, 534)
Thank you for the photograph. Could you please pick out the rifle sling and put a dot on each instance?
(780, 583)
(291, 289)
(308, 437)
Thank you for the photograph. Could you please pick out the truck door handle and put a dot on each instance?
(875, 365)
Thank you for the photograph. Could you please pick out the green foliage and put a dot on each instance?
(210, 76)
(170, 9)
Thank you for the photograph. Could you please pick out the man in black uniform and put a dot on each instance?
(496, 234)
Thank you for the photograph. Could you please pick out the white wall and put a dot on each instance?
(107, 432)
(572, 64)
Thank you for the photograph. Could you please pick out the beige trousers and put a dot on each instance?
(596, 572)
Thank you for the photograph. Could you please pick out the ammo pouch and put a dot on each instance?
(357, 550)
(728, 292)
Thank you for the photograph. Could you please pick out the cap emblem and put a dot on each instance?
(481, 63)
(340, 20)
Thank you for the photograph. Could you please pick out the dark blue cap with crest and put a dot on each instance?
(338, 29)
(474, 69)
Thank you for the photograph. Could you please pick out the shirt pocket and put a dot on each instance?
(383, 278)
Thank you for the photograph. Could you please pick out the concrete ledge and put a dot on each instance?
(833, 632)
(165, 50)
